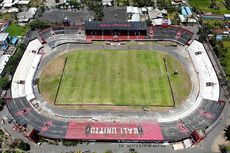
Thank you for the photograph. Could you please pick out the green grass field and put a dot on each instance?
(203, 5)
(226, 44)
(16, 30)
(112, 77)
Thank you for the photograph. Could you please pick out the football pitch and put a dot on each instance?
(109, 77)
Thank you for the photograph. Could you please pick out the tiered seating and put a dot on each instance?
(177, 34)
(56, 36)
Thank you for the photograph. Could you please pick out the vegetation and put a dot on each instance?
(166, 4)
(36, 3)
(123, 2)
(4, 82)
(224, 148)
(74, 4)
(14, 60)
(69, 143)
(16, 30)
(23, 146)
(142, 3)
(2, 103)
(8, 144)
(38, 24)
(222, 50)
(227, 4)
(109, 77)
(210, 24)
(206, 6)
(97, 7)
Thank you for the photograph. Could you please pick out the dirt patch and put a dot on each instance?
(51, 73)
(54, 67)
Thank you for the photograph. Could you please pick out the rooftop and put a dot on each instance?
(97, 25)
(3, 36)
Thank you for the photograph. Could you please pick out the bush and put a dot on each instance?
(69, 143)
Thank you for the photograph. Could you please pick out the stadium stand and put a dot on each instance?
(109, 31)
(22, 81)
(171, 126)
(171, 33)
(56, 36)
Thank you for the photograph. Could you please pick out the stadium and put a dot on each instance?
(191, 120)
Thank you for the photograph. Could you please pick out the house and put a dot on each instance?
(3, 60)
(176, 2)
(7, 4)
(157, 16)
(24, 2)
(10, 3)
(107, 2)
(24, 17)
(221, 31)
(133, 14)
(4, 41)
(185, 19)
(154, 14)
(227, 16)
(186, 11)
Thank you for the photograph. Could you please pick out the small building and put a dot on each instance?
(184, 19)
(13, 10)
(107, 2)
(157, 22)
(24, 17)
(144, 10)
(176, 2)
(4, 41)
(186, 11)
(221, 31)
(219, 37)
(24, 2)
(227, 16)
(212, 17)
(3, 60)
(154, 14)
(132, 10)
(133, 14)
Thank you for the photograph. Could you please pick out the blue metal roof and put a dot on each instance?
(14, 41)
(188, 10)
(183, 11)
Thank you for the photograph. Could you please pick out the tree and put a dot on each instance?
(227, 132)
(38, 24)
(74, 4)
(227, 2)
(4, 82)
(223, 149)
(14, 60)
(2, 103)
(24, 146)
(202, 34)
(213, 4)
